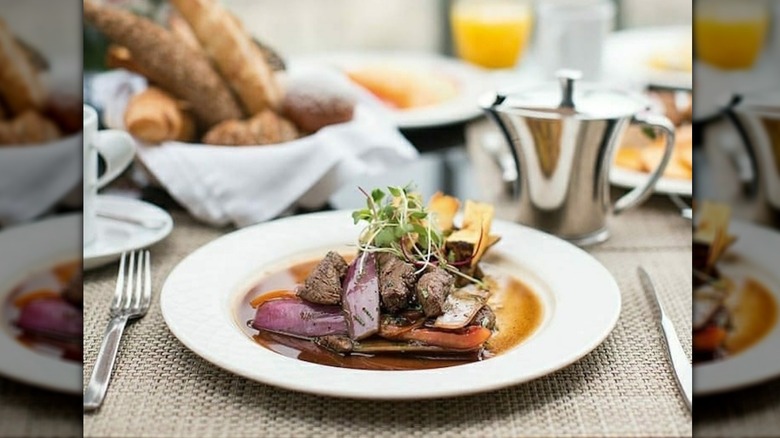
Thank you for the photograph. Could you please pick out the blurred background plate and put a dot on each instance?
(26, 250)
(669, 186)
(630, 56)
(469, 81)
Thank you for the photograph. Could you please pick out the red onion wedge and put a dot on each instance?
(361, 297)
(52, 318)
(295, 317)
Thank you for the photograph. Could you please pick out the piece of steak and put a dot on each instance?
(432, 290)
(323, 285)
(396, 282)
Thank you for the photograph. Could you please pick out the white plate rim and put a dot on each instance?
(47, 245)
(217, 338)
(630, 179)
(462, 108)
(94, 258)
(740, 371)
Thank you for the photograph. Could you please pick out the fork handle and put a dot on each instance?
(101, 374)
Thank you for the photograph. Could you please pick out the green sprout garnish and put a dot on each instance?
(399, 223)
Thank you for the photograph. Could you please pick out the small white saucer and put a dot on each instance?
(115, 236)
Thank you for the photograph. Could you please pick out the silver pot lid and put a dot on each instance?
(568, 98)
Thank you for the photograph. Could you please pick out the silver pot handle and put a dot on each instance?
(639, 194)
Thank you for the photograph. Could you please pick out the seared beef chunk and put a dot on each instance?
(396, 282)
(74, 292)
(323, 286)
(336, 343)
(485, 318)
(432, 290)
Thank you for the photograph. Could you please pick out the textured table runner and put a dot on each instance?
(623, 388)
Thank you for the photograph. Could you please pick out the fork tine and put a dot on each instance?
(136, 303)
(120, 284)
(147, 300)
(128, 296)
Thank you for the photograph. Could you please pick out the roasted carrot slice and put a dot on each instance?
(709, 338)
(39, 294)
(469, 338)
(270, 295)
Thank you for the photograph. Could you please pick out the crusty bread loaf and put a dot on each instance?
(169, 63)
(154, 116)
(20, 86)
(234, 53)
(183, 31)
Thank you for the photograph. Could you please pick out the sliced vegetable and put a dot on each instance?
(709, 338)
(469, 338)
(360, 298)
(271, 295)
(459, 309)
(298, 318)
(52, 318)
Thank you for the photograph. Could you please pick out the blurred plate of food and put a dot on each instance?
(736, 294)
(41, 304)
(419, 90)
(403, 299)
(660, 56)
(642, 150)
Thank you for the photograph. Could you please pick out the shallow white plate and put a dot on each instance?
(115, 237)
(669, 186)
(627, 54)
(756, 257)
(201, 296)
(26, 250)
(471, 82)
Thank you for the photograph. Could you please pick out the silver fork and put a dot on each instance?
(132, 298)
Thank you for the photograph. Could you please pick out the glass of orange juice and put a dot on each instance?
(730, 34)
(491, 33)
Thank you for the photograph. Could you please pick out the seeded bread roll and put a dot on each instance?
(20, 86)
(169, 62)
(232, 50)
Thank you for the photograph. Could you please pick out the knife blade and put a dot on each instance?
(681, 366)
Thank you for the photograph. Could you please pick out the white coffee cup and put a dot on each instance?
(116, 148)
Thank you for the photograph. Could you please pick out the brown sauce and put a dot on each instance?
(518, 312)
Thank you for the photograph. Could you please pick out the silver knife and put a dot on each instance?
(683, 370)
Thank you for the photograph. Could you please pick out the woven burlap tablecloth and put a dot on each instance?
(623, 388)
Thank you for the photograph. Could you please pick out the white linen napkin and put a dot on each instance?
(249, 184)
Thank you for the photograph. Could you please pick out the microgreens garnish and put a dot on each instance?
(398, 223)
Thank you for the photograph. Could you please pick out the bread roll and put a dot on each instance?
(30, 127)
(154, 116)
(313, 102)
(20, 86)
(169, 63)
(263, 128)
(232, 50)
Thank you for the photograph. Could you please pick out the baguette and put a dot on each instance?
(120, 57)
(183, 31)
(154, 116)
(20, 86)
(170, 64)
(233, 51)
